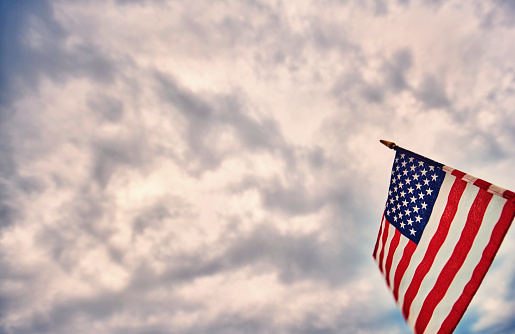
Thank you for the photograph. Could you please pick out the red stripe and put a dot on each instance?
(451, 268)
(403, 265)
(510, 195)
(434, 245)
(385, 236)
(377, 241)
(393, 246)
(482, 184)
(458, 173)
(500, 230)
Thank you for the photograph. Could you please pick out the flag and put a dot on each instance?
(439, 234)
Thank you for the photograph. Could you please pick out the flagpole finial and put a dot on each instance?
(388, 144)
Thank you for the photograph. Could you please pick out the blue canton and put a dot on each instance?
(414, 187)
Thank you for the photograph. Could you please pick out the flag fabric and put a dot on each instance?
(439, 234)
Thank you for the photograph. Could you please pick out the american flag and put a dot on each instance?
(439, 234)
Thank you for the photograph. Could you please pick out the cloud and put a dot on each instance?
(211, 124)
(109, 109)
(432, 93)
(209, 168)
(35, 47)
(110, 154)
(402, 61)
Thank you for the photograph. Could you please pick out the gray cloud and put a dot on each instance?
(297, 258)
(294, 258)
(7, 212)
(171, 207)
(393, 79)
(33, 47)
(292, 200)
(432, 93)
(108, 108)
(396, 69)
(206, 121)
(508, 3)
(500, 14)
(373, 93)
(181, 181)
(110, 154)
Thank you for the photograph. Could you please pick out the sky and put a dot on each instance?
(215, 166)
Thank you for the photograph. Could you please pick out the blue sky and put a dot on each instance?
(214, 167)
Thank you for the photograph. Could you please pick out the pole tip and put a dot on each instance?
(388, 144)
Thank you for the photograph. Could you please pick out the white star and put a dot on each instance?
(412, 231)
(398, 206)
(429, 191)
(402, 155)
(407, 212)
(402, 225)
(391, 200)
(410, 190)
(405, 172)
(410, 221)
(396, 159)
(390, 192)
(413, 200)
(393, 209)
(415, 177)
(415, 209)
(394, 218)
(407, 181)
(420, 163)
(400, 215)
(403, 164)
(431, 168)
(426, 182)
(418, 185)
(421, 195)
(424, 172)
(412, 168)
(434, 176)
(418, 219)
(403, 193)
(404, 203)
(424, 205)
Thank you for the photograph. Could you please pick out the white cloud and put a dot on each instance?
(214, 167)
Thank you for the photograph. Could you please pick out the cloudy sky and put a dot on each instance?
(214, 166)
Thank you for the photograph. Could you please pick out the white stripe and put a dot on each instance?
(445, 252)
(448, 169)
(469, 178)
(492, 215)
(429, 231)
(380, 243)
(391, 231)
(496, 190)
(397, 256)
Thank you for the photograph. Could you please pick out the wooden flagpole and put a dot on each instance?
(388, 144)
